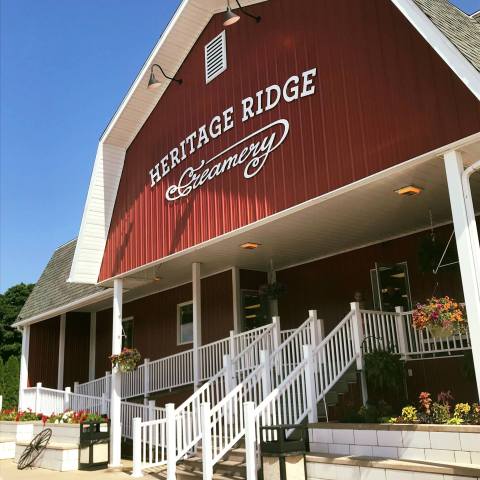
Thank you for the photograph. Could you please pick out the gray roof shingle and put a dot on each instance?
(463, 31)
(52, 290)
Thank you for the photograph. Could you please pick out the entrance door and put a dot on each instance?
(391, 287)
(254, 310)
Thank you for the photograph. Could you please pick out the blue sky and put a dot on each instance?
(65, 66)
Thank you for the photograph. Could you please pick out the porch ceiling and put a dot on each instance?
(354, 216)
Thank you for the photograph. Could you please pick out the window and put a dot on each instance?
(391, 287)
(185, 322)
(127, 332)
(215, 57)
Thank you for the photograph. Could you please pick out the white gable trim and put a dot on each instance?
(467, 73)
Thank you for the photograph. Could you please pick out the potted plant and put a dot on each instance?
(442, 317)
(127, 360)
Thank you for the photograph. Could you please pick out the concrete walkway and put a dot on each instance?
(8, 471)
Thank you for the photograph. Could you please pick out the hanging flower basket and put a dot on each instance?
(127, 360)
(442, 317)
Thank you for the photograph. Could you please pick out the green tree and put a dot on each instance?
(9, 386)
(11, 302)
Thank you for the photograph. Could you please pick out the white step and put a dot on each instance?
(62, 457)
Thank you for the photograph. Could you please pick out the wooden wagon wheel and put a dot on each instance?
(34, 449)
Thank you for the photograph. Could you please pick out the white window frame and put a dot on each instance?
(179, 307)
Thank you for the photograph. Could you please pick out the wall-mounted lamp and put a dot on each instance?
(154, 83)
(231, 17)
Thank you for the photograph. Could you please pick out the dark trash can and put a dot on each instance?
(94, 445)
(283, 457)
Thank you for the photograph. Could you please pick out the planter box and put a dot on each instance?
(16, 431)
(454, 444)
(61, 432)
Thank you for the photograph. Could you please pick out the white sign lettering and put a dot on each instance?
(253, 155)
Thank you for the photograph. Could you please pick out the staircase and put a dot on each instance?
(259, 378)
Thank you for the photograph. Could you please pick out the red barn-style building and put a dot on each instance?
(306, 175)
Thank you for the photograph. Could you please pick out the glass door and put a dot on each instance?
(391, 287)
(254, 310)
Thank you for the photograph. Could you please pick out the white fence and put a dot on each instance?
(395, 331)
(49, 401)
(176, 370)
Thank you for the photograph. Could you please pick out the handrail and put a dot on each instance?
(227, 423)
(187, 415)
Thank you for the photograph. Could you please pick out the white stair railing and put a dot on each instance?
(296, 398)
(225, 420)
(168, 440)
(188, 414)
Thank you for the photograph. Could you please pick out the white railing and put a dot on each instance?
(395, 331)
(419, 343)
(380, 331)
(182, 429)
(170, 372)
(175, 370)
(130, 410)
(211, 357)
(50, 401)
(296, 398)
(188, 415)
(94, 388)
(225, 421)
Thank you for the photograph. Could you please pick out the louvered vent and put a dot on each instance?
(215, 57)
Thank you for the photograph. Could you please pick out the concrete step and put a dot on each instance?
(236, 454)
(228, 468)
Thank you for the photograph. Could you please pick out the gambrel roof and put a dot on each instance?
(463, 31)
(52, 291)
(452, 34)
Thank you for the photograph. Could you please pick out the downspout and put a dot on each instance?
(472, 224)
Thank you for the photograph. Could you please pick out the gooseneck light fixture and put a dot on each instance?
(154, 83)
(231, 17)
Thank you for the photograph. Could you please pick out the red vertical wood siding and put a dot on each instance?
(252, 279)
(382, 97)
(43, 353)
(329, 285)
(155, 320)
(77, 346)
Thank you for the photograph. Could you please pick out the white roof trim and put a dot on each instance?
(467, 73)
(177, 40)
(183, 30)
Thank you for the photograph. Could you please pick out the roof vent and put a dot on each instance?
(215, 57)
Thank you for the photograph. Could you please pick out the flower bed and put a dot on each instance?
(21, 426)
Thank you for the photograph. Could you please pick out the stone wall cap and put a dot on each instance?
(419, 427)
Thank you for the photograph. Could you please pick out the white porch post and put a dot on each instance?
(467, 251)
(197, 322)
(93, 340)
(237, 327)
(116, 379)
(61, 351)
(24, 364)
